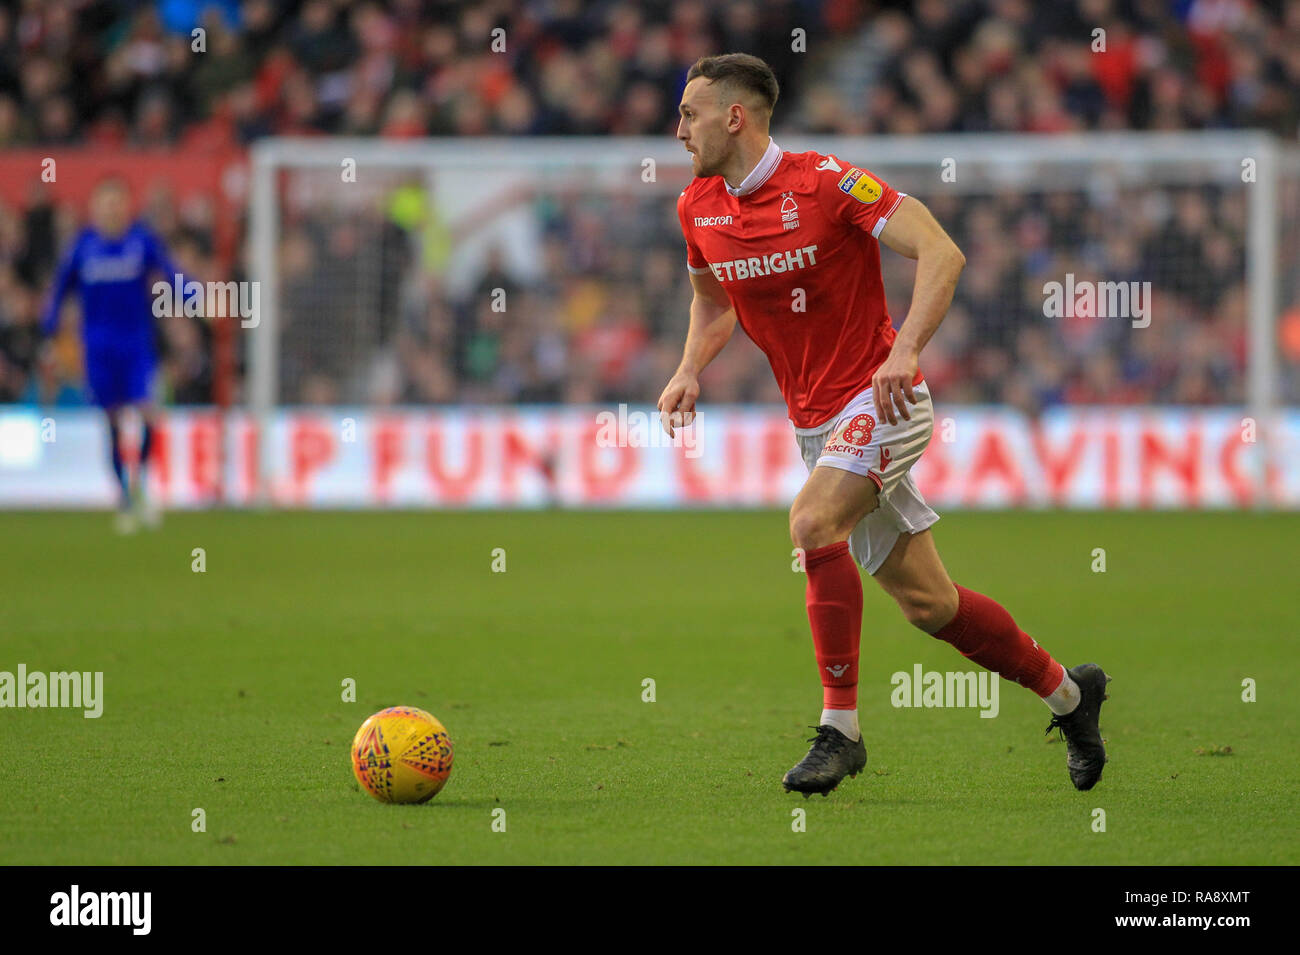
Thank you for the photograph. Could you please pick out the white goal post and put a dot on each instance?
(484, 192)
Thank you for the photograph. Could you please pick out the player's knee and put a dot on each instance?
(928, 609)
(810, 529)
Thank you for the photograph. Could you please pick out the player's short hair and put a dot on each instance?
(739, 71)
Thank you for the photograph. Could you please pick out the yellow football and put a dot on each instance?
(402, 754)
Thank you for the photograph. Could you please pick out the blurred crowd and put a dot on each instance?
(607, 320)
(117, 71)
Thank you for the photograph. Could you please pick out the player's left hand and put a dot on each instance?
(47, 362)
(891, 385)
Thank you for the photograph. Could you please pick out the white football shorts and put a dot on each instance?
(855, 441)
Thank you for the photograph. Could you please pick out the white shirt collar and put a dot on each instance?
(760, 173)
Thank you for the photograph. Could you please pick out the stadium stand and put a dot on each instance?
(607, 322)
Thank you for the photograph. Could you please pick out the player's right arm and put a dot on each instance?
(712, 322)
(65, 278)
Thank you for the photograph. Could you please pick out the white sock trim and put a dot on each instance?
(846, 721)
(1065, 697)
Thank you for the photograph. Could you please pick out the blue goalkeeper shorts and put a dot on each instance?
(119, 377)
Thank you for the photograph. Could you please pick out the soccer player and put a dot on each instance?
(787, 244)
(109, 263)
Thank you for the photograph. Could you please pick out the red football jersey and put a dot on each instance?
(794, 247)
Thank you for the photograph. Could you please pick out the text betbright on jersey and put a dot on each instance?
(797, 256)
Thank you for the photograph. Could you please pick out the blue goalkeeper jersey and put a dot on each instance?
(112, 276)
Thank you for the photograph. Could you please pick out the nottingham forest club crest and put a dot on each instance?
(789, 211)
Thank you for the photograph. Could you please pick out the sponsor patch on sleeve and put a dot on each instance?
(860, 186)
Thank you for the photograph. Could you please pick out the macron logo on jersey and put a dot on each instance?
(706, 221)
(757, 266)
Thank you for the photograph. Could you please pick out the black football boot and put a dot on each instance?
(1085, 754)
(832, 757)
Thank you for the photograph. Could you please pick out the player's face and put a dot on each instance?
(110, 209)
(703, 128)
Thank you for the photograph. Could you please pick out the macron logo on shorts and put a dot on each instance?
(843, 449)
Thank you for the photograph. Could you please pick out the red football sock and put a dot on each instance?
(983, 631)
(834, 598)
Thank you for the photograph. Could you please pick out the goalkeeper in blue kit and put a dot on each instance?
(109, 265)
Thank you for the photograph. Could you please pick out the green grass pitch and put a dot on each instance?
(223, 691)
